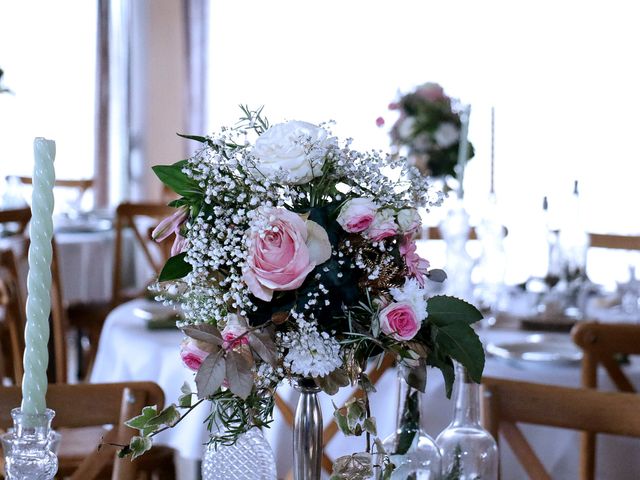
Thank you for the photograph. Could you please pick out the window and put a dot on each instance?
(47, 50)
(560, 76)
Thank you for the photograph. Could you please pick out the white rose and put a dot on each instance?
(446, 135)
(409, 220)
(405, 128)
(293, 152)
(357, 214)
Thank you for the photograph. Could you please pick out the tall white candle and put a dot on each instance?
(36, 353)
(463, 148)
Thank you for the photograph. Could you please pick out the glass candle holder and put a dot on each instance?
(30, 447)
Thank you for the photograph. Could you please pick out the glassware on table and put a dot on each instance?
(412, 451)
(30, 447)
(469, 452)
(250, 458)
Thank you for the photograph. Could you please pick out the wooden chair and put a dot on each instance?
(12, 321)
(508, 402)
(88, 318)
(619, 242)
(14, 261)
(80, 185)
(601, 343)
(82, 412)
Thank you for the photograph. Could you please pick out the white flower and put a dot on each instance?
(409, 220)
(414, 295)
(405, 128)
(446, 135)
(293, 152)
(311, 353)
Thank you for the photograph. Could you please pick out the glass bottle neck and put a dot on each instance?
(467, 399)
(409, 404)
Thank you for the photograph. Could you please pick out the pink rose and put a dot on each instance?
(383, 225)
(431, 92)
(380, 122)
(283, 252)
(357, 214)
(399, 321)
(233, 334)
(417, 266)
(192, 356)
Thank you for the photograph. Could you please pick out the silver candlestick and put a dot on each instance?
(307, 432)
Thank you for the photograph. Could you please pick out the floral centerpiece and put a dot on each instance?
(429, 127)
(295, 259)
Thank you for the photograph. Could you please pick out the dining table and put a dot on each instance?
(133, 347)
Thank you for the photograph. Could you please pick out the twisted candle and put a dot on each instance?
(36, 353)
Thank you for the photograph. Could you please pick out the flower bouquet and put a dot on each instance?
(295, 260)
(429, 128)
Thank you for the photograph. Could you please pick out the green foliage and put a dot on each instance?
(178, 181)
(409, 422)
(175, 268)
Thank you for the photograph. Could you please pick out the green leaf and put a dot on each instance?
(444, 310)
(369, 425)
(239, 374)
(178, 203)
(460, 342)
(175, 268)
(205, 333)
(341, 421)
(186, 399)
(141, 421)
(416, 376)
(445, 364)
(210, 374)
(262, 343)
(166, 418)
(197, 138)
(139, 445)
(174, 178)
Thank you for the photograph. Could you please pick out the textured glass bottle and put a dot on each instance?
(250, 458)
(468, 451)
(412, 450)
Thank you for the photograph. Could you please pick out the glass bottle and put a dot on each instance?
(412, 451)
(468, 451)
(250, 458)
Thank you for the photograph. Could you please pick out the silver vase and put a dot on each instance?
(307, 432)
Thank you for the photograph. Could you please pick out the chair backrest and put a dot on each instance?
(620, 242)
(80, 185)
(128, 216)
(602, 344)
(12, 320)
(84, 405)
(507, 403)
(18, 243)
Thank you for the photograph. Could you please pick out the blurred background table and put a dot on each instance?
(130, 350)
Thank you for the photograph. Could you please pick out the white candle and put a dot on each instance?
(36, 353)
(463, 148)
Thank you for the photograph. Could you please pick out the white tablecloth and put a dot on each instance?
(129, 351)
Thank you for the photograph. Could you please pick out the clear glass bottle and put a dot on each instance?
(250, 458)
(412, 451)
(468, 451)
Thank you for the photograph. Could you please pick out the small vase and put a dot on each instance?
(412, 451)
(307, 432)
(30, 447)
(250, 458)
(469, 452)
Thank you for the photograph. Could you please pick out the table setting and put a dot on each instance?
(297, 298)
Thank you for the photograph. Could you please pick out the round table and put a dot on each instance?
(130, 351)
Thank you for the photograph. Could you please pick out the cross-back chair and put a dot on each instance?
(508, 403)
(618, 242)
(12, 320)
(81, 186)
(82, 412)
(602, 344)
(137, 220)
(15, 263)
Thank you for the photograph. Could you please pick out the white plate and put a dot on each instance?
(542, 349)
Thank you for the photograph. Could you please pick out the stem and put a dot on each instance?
(367, 408)
(192, 407)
